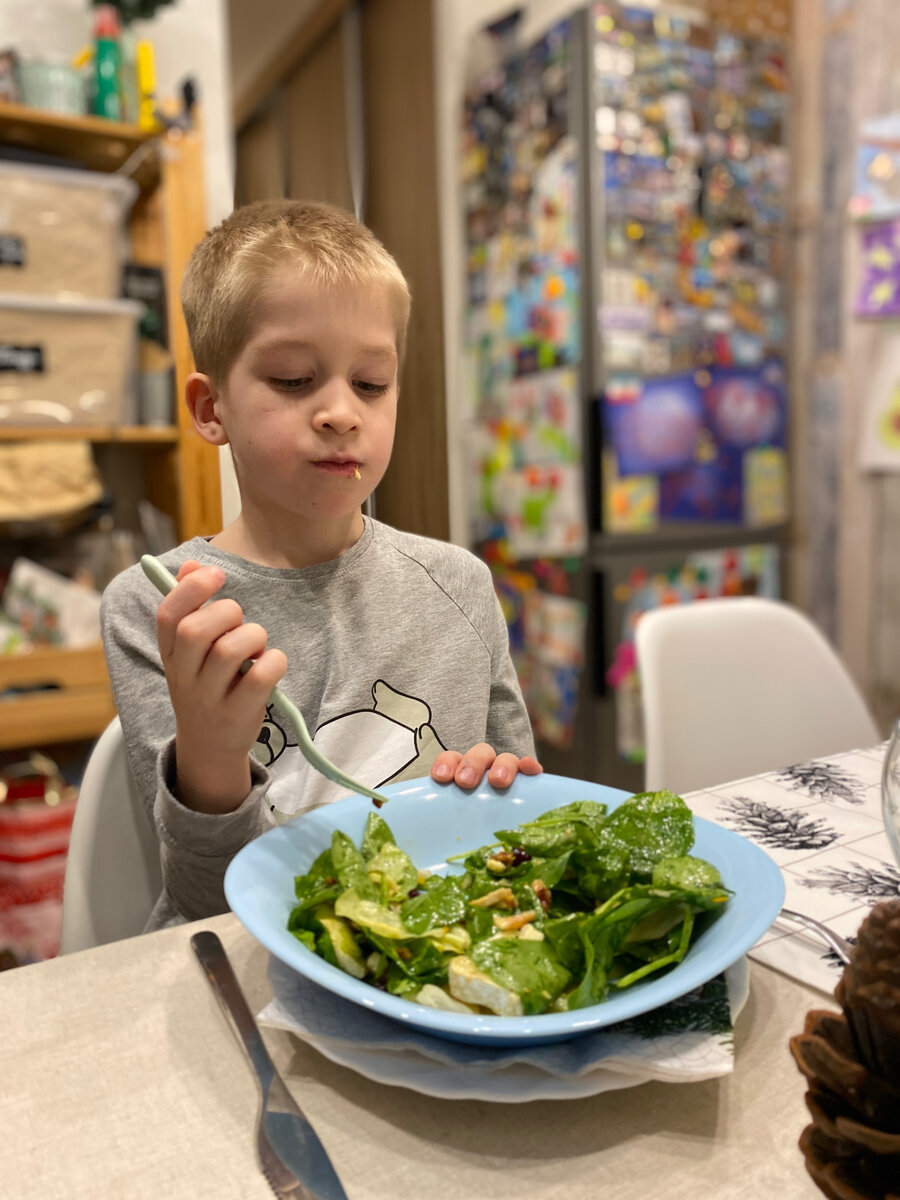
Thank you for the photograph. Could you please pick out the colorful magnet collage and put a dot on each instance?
(523, 351)
(876, 185)
(524, 312)
(689, 128)
(547, 643)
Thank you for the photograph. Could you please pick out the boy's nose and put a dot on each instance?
(337, 410)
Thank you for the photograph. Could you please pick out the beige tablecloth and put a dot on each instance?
(120, 1078)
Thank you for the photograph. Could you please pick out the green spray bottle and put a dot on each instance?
(107, 63)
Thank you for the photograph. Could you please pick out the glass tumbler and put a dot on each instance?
(890, 792)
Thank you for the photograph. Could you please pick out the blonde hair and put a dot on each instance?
(229, 269)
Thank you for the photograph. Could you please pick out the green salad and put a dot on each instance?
(558, 913)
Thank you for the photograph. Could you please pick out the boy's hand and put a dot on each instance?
(218, 711)
(468, 769)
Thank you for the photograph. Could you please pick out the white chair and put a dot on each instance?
(113, 875)
(738, 686)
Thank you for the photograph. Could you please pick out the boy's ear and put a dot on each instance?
(201, 396)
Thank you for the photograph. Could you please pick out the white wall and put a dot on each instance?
(455, 22)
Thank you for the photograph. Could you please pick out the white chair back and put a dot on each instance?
(113, 875)
(734, 687)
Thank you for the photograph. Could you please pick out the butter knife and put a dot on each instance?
(293, 1160)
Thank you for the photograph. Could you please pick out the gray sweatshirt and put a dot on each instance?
(396, 650)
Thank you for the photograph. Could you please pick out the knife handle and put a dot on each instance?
(212, 957)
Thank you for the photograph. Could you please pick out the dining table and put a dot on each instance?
(120, 1076)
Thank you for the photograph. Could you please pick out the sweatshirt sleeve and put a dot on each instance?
(195, 848)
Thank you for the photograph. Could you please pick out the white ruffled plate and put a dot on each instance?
(610, 1059)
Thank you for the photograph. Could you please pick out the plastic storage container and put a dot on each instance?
(67, 364)
(62, 232)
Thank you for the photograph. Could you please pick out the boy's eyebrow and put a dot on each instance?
(383, 350)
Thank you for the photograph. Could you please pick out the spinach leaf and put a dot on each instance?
(350, 867)
(597, 875)
(342, 948)
(480, 922)
(400, 982)
(418, 959)
(559, 830)
(555, 839)
(396, 869)
(371, 916)
(377, 833)
(602, 936)
(317, 886)
(306, 936)
(564, 935)
(443, 903)
(310, 894)
(591, 813)
(647, 828)
(686, 872)
(530, 969)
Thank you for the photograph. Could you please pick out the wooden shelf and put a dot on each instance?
(78, 704)
(141, 434)
(171, 466)
(93, 142)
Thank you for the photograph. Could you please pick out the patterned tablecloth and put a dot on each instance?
(822, 823)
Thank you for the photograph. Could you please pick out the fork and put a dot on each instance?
(839, 945)
(293, 1160)
(165, 581)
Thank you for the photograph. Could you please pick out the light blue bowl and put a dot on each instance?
(433, 822)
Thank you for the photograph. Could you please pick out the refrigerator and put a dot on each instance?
(624, 191)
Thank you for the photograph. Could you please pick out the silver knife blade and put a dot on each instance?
(282, 1126)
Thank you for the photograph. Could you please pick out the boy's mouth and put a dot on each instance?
(334, 466)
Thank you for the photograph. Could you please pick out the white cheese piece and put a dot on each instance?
(472, 986)
(531, 933)
(433, 996)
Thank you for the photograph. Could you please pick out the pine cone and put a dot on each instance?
(869, 992)
(852, 1062)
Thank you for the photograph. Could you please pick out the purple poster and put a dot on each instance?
(746, 408)
(879, 291)
(712, 441)
(656, 431)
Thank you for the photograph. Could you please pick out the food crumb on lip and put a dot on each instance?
(356, 474)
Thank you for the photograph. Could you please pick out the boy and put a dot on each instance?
(392, 646)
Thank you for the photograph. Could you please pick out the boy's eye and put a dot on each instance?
(289, 385)
(370, 389)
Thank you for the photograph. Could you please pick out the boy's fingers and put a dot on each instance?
(197, 634)
(220, 669)
(473, 764)
(192, 592)
(267, 671)
(187, 567)
(530, 766)
(503, 770)
(444, 766)
(468, 769)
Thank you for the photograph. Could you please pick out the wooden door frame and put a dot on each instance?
(401, 207)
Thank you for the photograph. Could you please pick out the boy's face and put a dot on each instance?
(310, 403)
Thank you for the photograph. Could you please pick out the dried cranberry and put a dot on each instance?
(520, 855)
(413, 892)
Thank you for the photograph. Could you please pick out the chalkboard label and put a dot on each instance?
(12, 250)
(25, 360)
